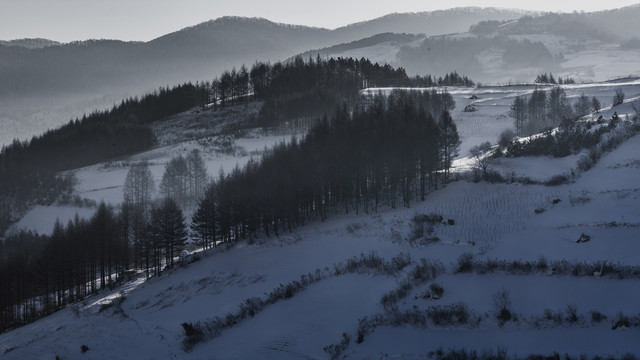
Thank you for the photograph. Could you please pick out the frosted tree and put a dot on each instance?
(175, 180)
(197, 176)
(139, 186)
(138, 190)
(480, 154)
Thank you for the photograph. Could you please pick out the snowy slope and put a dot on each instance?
(149, 324)
(491, 221)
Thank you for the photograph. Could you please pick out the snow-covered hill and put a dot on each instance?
(519, 240)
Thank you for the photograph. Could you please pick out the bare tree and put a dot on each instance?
(197, 176)
(175, 181)
(139, 186)
(502, 304)
(618, 98)
(482, 158)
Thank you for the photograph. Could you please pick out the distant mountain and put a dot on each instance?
(610, 25)
(43, 83)
(430, 23)
(36, 43)
(620, 22)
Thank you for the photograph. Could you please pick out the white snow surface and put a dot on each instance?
(492, 221)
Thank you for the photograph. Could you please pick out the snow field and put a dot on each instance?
(492, 221)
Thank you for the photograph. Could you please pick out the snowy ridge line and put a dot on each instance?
(371, 264)
(499, 88)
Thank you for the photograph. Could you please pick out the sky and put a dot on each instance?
(143, 20)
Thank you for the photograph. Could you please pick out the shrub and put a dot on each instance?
(416, 230)
(352, 228)
(251, 307)
(502, 303)
(465, 263)
(418, 222)
(436, 289)
(597, 316)
(336, 349)
(448, 315)
(506, 137)
(557, 180)
(579, 199)
(572, 313)
(618, 98)
(621, 321)
(585, 163)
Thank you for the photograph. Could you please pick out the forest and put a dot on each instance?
(365, 155)
(399, 147)
(29, 170)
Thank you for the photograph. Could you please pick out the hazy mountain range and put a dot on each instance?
(43, 83)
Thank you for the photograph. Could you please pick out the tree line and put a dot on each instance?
(289, 90)
(313, 87)
(29, 170)
(542, 110)
(353, 161)
(395, 149)
(42, 273)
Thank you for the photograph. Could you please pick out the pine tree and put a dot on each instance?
(449, 142)
(518, 112)
(168, 229)
(203, 223)
(595, 104)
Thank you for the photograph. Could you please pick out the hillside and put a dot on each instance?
(586, 46)
(551, 303)
(513, 239)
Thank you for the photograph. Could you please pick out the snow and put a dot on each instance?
(492, 221)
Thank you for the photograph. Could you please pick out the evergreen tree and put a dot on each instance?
(536, 111)
(203, 223)
(518, 111)
(595, 104)
(558, 108)
(168, 230)
(449, 142)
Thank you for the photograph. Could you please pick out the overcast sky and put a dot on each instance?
(67, 20)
